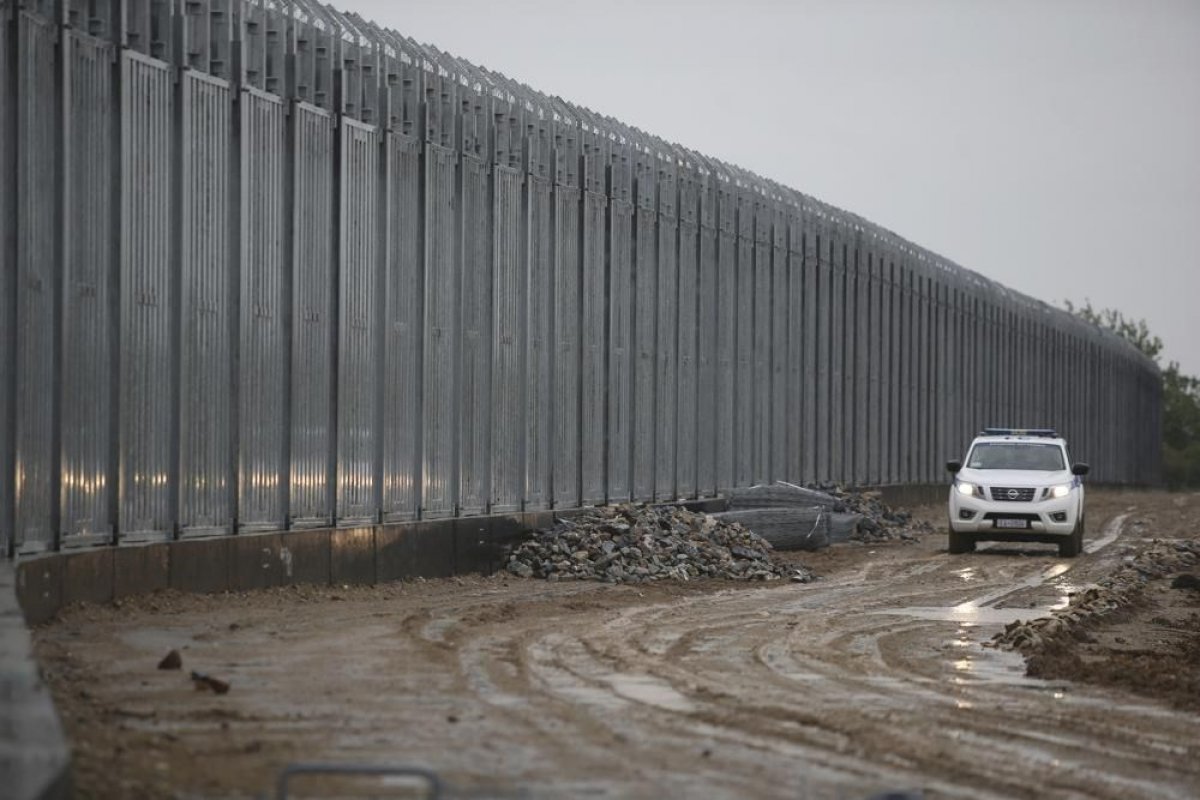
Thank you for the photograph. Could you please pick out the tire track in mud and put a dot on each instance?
(843, 683)
(871, 679)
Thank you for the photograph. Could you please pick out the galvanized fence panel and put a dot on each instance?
(745, 397)
(923, 359)
(849, 328)
(992, 372)
(206, 351)
(824, 334)
(953, 376)
(760, 465)
(928, 374)
(861, 321)
(263, 336)
(148, 473)
(441, 401)
(897, 339)
(812, 351)
(777, 441)
(508, 337)
(928, 400)
(539, 354)
(358, 322)
(403, 342)
(910, 433)
(314, 256)
(920, 363)
(620, 338)
(975, 334)
(796, 377)
(666, 356)
(37, 283)
(902, 333)
(8, 272)
(940, 413)
(565, 375)
(645, 309)
(707, 324)
(688, 253)
(727, 382)
(850, 347)
(475, 393)
(594, 146)
(593, 378)
(876, 337)
(89, 263)
(838, 319)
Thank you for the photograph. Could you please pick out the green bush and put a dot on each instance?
(1181, 397)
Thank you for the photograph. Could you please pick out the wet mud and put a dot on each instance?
(873, 678)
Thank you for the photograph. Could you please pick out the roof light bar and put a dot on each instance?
(1049, 433)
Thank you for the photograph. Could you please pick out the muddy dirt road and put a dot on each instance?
(873, 678)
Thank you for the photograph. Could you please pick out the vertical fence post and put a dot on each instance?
(8, 270)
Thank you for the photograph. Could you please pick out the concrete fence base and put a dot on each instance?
(34, 754)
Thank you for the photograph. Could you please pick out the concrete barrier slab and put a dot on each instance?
(412, 549)
(352, 556)
(256, 562)
(88, 577)
(304, 557)
(39, 587)
(142, 569)
(200, 565)
(473, 548)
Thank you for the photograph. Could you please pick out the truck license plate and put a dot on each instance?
(1019, 524)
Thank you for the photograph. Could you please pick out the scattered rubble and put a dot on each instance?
(203, 682)
(1186, 580)
(171, 660)
(1118, 590)
(639, 544)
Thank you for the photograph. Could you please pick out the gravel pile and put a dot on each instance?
(1160, 559)
(878, 521)
(640, 544)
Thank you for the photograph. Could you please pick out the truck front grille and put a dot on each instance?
(1012, 494)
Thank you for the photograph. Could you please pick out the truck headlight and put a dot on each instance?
(970, 489)
(1062, 490)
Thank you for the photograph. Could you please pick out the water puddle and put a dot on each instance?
(987, 609)
(649, 691)
(1109, 535)
(565, 667)
(620, 690)
(978, 618)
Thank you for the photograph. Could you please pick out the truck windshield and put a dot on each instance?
(1005, 455)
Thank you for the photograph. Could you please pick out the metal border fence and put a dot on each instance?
(265, 265)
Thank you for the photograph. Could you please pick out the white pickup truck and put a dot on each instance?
(1017, 485)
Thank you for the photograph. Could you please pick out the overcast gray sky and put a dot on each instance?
(1052, 146)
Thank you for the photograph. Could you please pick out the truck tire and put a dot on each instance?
(961, 543)
(1072, 545)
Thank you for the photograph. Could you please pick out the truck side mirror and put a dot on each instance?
(1080, 468)
(953, 466)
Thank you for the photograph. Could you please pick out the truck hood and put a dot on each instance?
(1015, 477)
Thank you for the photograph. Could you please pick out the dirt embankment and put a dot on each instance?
(1138, 628)
(874, 677)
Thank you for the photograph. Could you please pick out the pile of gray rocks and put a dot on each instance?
(640, 543)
